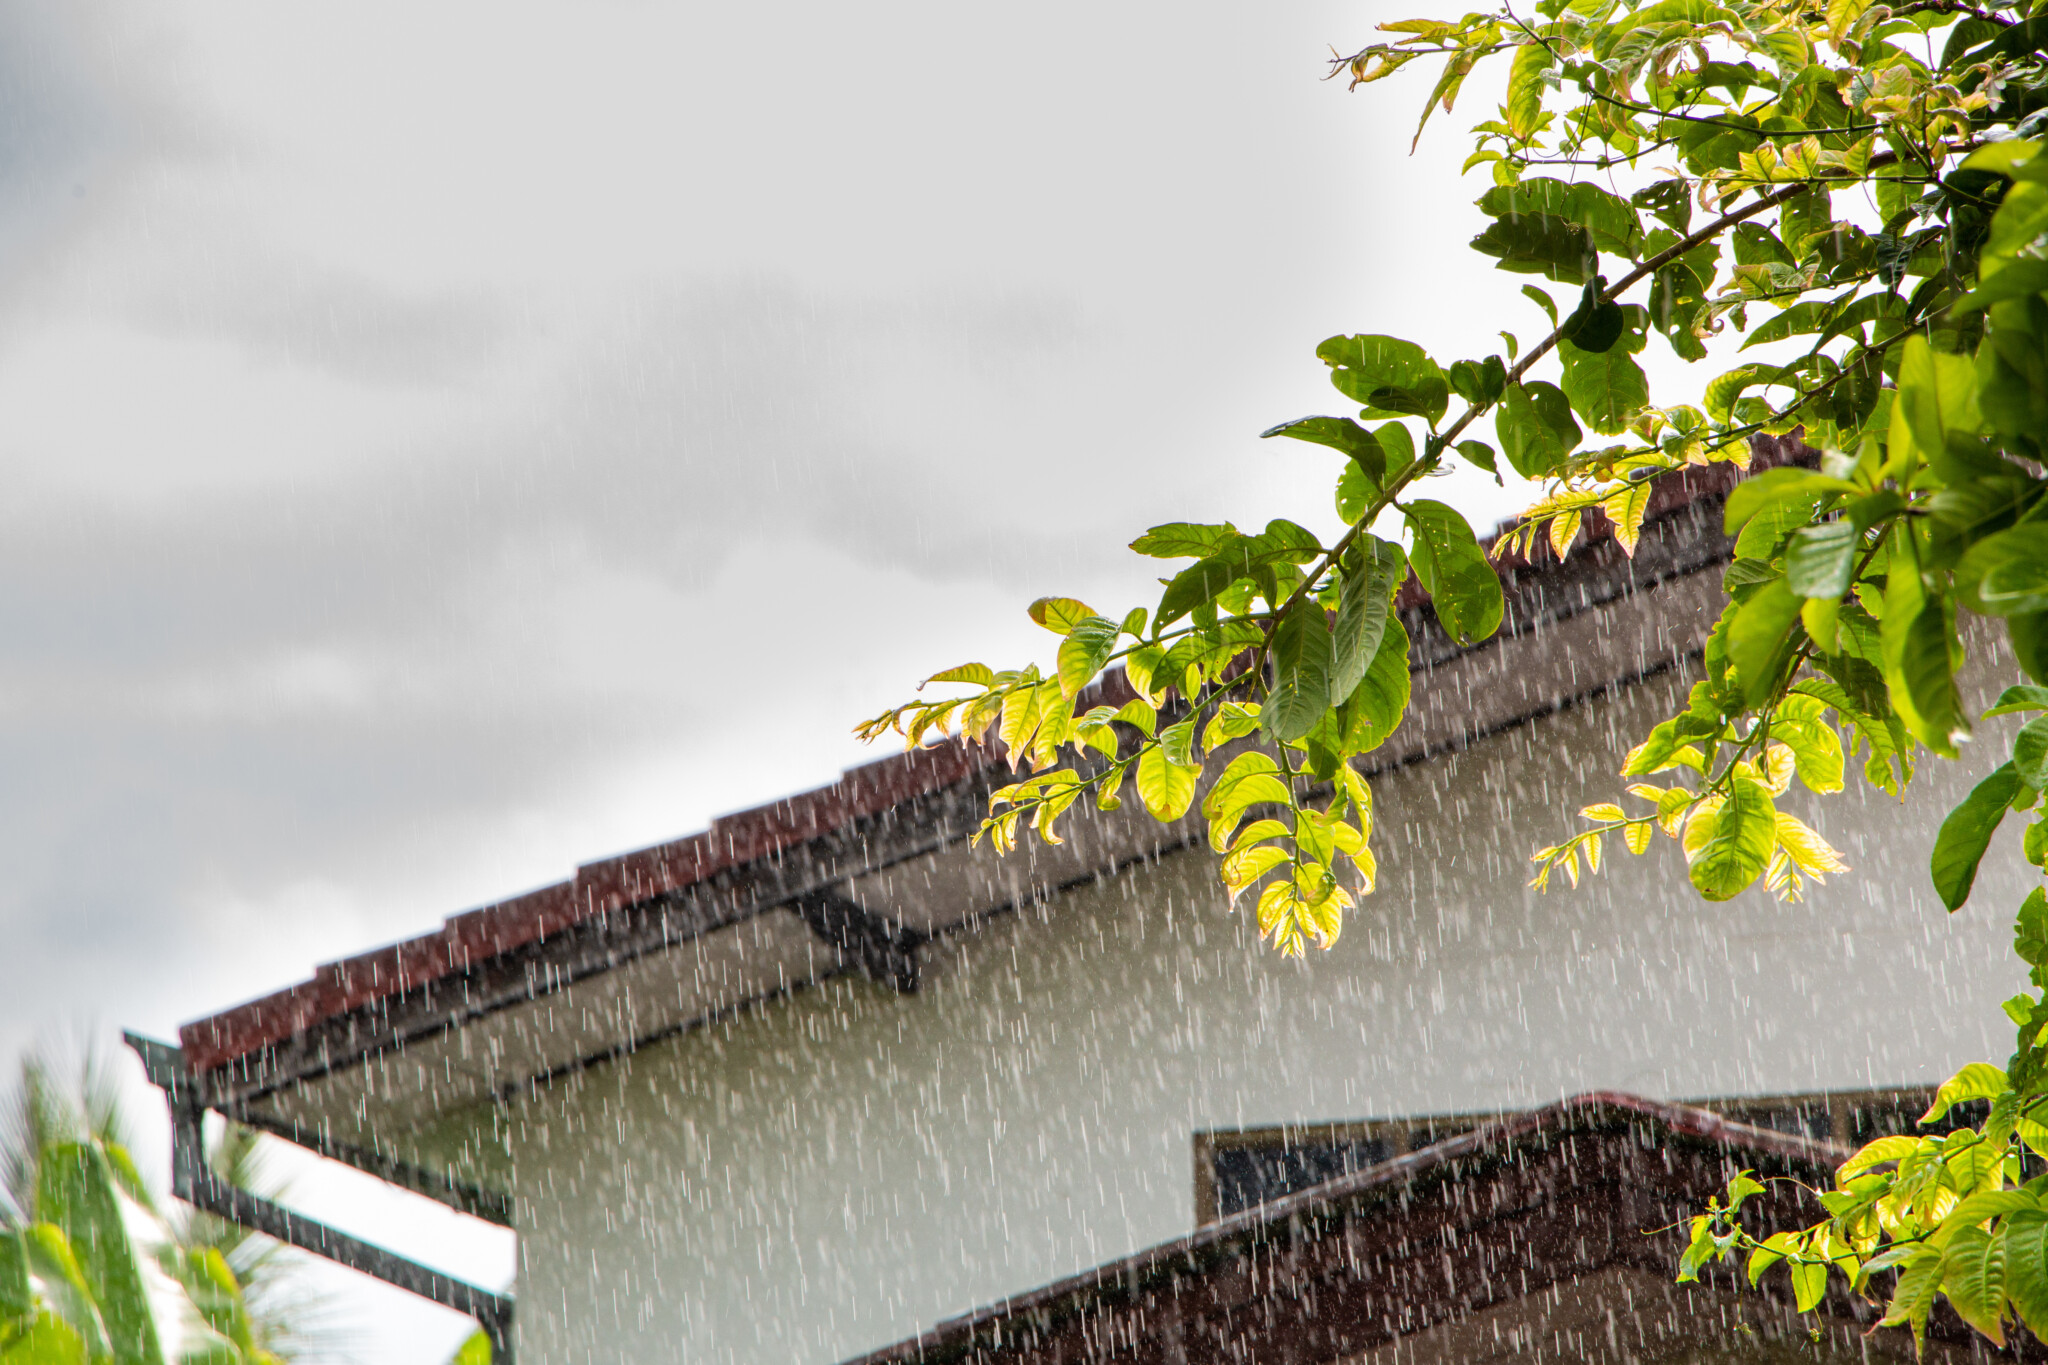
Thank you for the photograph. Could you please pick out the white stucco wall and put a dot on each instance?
(832, 1172)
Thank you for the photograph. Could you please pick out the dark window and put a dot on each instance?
(1247, 1177)
(1242, 1168)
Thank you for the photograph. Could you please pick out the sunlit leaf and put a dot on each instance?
(1089, 643)
(1366, 599)
(1966, 833)
(1166, 788)
(981, 675)
(1729, 841)
(1060, 614)
(1454, 570)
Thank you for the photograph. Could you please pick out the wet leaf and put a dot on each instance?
(1461, 582)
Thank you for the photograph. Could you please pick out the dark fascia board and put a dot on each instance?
(924, 824)
(1681, 539)
(490, 1205)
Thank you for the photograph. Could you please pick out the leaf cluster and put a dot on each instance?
(1683, 169)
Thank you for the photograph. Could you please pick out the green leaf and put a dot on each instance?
(1363, 605)
(1721, 392)
(1479, 381)
(2029, 636)
(2030, 929)
(1597, 323)
(1820, 559)
(2006, 574)
(1535, 426)
(1543, 301)
(1166, 788)
(1938, 393)
(1524, 106)
(1669, 201)
(1756, 244)
(1184, 540)
(1480, 454)
(1252, 778)
(1967, 833)
(1201, 582)
(2030, 753)
(1539, 244)
(1765, 533)
(2023, 697)
(52, 1262)
(1338, 433)
(1301, 682)
(1060, 614)
(1773, 486)
(1454, 571)
(1356, 492)
(1918, 664)
(211, 1288)
(16, 1298)
(2026, 1269)
(1973, 1277)
(1086, 649)
(1761, 638)
(1809, 1285)
(1390, 377)
(1609, 220)
(1606, 388)
(1801, 724)
(981, 675)
(1737, 843)
(2016, 280)
(1822, 618)
(76, 1192)
(1375, 708)
(476, 1350)
(1913, 1295)
(1177, 742)
(1247, 765)
(48, 1340)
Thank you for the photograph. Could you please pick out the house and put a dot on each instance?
(809, 1083)
(1549, 1235)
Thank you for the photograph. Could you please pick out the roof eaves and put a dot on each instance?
(766, 832)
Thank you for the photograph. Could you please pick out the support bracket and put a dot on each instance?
(194, 1182)
(885, 949)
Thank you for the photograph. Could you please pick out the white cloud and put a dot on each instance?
(445, 444)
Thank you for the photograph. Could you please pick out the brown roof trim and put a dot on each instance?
(765, 832)
(1602, 1181)
(597, 889)
(1116, 1278)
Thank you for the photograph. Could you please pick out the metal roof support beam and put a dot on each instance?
(195, 1183)
(882, 948)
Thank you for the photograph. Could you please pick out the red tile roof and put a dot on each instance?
(602, 887)
(596, 889)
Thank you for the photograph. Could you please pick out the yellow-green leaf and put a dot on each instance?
(1086, 649)
(1977, 1081)
(1060, 614)
(981, 675)
(1247, 865)
(1525, 89)
(1166, 788)
(1973, 1277)
(1730, 844)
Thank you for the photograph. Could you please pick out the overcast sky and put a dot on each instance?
(444, 444)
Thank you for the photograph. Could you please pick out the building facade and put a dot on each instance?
(823, 1077)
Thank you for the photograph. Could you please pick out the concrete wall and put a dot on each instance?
(834, 1171)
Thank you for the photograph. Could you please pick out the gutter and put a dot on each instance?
(194, 1182)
